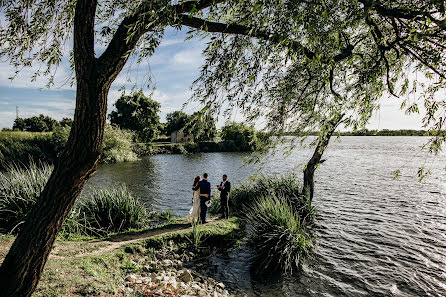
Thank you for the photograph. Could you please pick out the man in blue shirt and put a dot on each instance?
(205, 195)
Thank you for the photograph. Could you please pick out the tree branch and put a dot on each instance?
(214, 27)
(84, 34)
(126, 37)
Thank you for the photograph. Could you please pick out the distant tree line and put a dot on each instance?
(40, 123)
(383, 132)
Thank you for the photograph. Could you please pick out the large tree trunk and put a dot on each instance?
(316, 158)
(23, 265)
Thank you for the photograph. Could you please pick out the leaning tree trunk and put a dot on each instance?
(316, 159)
(23, 265)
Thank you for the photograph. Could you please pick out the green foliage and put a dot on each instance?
(106, 211)
(21, 147)
(117, 145)
(239, 137)
(35, 124)
(281, 238)
(279, 217)
(196, 238)
(137, 113)
(176, 120)
(244, 195)
(66, 122)
(19, 189)
(200, 125)
(98, 213)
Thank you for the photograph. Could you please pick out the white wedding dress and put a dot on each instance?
(195, 210)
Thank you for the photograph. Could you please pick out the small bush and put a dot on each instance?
(280, 237)
(106, 211)
(19, 189)
(117, 145)
(243, 195)
(178, 149)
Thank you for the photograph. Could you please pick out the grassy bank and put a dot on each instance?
(74, 269)
(23, 147)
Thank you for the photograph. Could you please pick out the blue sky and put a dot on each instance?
(173, 67)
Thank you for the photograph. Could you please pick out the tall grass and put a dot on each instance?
(287, 186)
(19, 189)
(280, 237)
(98, 213)
(279, 217)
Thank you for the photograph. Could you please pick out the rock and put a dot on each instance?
(202, 293)
(146, 280)
(220, 285)
(167, 262)
(140, 249)
(186, 276)
(131, 278)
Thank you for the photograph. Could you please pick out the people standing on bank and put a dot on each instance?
(205, 195)
(195, 211)
(224, 188)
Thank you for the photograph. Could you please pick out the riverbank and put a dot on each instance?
(21, 147)
(148, 262)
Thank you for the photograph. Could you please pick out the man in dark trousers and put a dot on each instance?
(205, 195)
(224, 188)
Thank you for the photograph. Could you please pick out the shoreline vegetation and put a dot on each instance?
(120, 145)
(112, 244)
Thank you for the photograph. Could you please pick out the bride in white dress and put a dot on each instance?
(195, 210)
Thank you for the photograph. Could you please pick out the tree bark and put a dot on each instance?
(23, 265)
(316, 158)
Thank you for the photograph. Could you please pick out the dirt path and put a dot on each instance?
(63, 250)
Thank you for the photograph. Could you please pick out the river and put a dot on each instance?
(376, 235)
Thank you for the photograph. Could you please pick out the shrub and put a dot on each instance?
(19, 189)
(243, 195)
(280, 237)
(239, 137)
(106, 211)
(21, 147)
(99, 213)
(117, 145)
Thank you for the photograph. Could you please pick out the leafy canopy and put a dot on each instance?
(137, 113)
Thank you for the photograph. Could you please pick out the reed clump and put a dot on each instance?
(279, 217)
(19, 189)
(106, 211)
(282, 239)
(98, 213)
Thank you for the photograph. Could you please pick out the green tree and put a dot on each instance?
(239, 137)
(176, 120)
(137, 113)
(19, 124)
(325, 63)
(66, 122)
(36, 124)
(200, 125)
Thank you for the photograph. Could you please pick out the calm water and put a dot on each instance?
(378, 236)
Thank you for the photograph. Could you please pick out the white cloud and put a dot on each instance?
(189, 58)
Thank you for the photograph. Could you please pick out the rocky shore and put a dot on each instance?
(167, 272)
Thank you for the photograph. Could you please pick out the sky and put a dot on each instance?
(173, 67)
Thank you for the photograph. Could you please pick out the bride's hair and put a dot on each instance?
(196, 180)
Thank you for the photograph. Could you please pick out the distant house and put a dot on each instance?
(178, 137)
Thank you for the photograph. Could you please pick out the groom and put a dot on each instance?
(205, 195)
